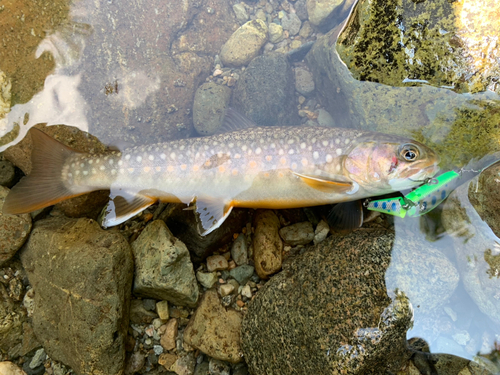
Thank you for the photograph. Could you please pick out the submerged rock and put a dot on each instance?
(209, 108)
(329, 312)
(163, 268)
(244, 44)
(267, 244)
(82, 277)
(14, 230)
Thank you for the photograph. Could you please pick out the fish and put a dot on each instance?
(242, 166)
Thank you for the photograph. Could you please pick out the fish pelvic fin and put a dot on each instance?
(124, 205)
(212, 213)
(44, 186)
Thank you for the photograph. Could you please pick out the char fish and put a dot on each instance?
(247, 166)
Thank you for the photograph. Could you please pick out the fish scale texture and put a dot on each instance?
(328, 312)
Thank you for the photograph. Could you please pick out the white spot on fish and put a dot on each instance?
(258, 150)
(82, 165)
(77, 172)
(303, 145)
(85, 173)
(120, 162)
(151, 157)
(325, 143)
(337, 141)
(347, 141)
(338, 151)
(127, 157)
(294, 165)
(231, 145)
(113, 172)
(281, 152)
(337, 168)
(70, 175)
(102, 167)
(329, 158)
(139, 158)
(244, 148)
(291, 141)
(313, 140)
(111, 161)
(291, 151)
(91, 161)
(181, 147)
(237, 156)
(315, 155)
(273, 145)
(163, 156)
(172, 155)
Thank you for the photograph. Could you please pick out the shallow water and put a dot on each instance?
(117, 70)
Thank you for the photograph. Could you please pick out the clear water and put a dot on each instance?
(107, 68)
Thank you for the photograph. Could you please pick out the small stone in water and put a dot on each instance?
(162, 310)
(246, 291)
(207, 279)
(216, 263)
(226, 289)
(158, 349)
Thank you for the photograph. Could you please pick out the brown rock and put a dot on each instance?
(14, 230)
(216, 263)
(267, 245)
(167, 360)
(215, 330)
(169, 334)
(9, 368)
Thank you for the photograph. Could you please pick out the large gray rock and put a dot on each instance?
(163, 268)
(265, 91)
(82, 276)
(244, 44)
(329, 312)
(14, 230)
(209, 107)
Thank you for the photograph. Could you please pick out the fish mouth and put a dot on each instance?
(425, 173)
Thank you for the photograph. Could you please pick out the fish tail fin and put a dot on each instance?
(44, 186)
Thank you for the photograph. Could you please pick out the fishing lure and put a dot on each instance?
(421, 200)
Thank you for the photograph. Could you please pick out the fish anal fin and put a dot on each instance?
(43, 186)
(212, 213)
(346, 216)
(123, 206)
(325, 185)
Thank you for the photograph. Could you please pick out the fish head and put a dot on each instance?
(390, 163)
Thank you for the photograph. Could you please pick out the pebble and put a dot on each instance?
(134, 363)
(158, 349)
(169, 334)
(202, 369)
(246, 291)
(291, 22)
(240, 13)
(325, 119)
(9, 368)
(162, 310)
(297, 234)
(167, 360)
(245, 44)
(322, 230)
(184, 365)
(261, 15)
(305, 30)
(38, 358)
(242, 273)
(239, 250)
(226, 289)
(218, 367)
(209, 106)
(139, 315)
(216, 263)
(267, 245)
(301, 9)
(275, 33)
(304, 82)
(295, 44)
(207, 279)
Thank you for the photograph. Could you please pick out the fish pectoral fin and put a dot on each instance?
(233, 120)
(346, 216)
(122, 206)
(212, 213)
(324, 184)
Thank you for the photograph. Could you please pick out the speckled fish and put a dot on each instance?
(248, 166)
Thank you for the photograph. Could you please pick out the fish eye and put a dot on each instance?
(409, 152)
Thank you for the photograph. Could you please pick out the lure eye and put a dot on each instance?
(409, 152)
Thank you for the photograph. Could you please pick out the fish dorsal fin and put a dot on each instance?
(123, 205)
(324, 184)
(212, 213)
(233, 120)
(346, 216)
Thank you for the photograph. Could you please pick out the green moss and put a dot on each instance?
(473, 133)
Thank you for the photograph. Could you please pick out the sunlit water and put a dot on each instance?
(107, 68)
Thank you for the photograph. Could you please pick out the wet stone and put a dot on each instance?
(60, 254)
(163, 268)
(184, 365)
(162, 310)
(267, 245)
(244, 44)
(202, 369)
(239, 250)
(14, 230)
(135, 362)
(7, 173)
(297, 234)
(169, 334)
(216, 263)
(240, 13)
(215, 330)
(38, 358)
(209, 108)
(9, 368)
(206, 279)
(346, 307)
(139, 315)
(242, 273)
(304, 82)
(218, 367)
(275, 33)
(321, 232)
(291, 22)
(12, 317)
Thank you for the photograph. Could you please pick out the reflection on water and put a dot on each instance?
(127, 71)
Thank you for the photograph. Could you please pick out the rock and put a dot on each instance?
(73, 262)
(209, 107)
(246, 291)
(38, 358)
(9, 368)
(301, 9)
(215, 330)
(14, 230)
(275, 33)
(267, 245)
(239, 250)
(325, 119)
(322, 230)
(7, 173)
(242, 273)
(459, 58)
(88, 205)
(304, 82)
(291, 22)
(325, 301)
(12, 317)
(218, 367)
(240, 13)
(162, 310)
(216, 263)
(226, 289)
(265, 91)
(135, 362)
(184, 365)
(139, 314)
(163, 269)
(423, 273)
(244, 44)
(306, 30)
(207, 279)
(169, 334)
(297, 234)
(167, 360)
(202, 369)
(320, 10)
